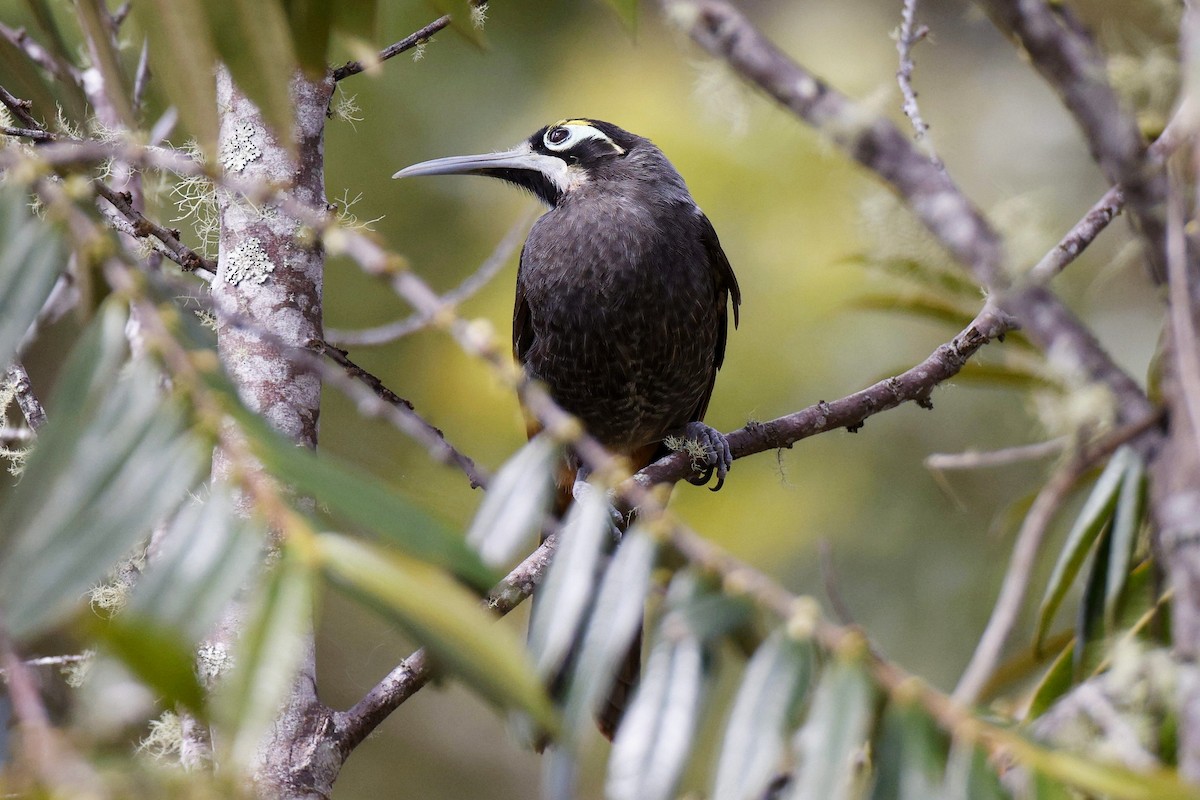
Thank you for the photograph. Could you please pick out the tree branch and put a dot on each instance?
(407, 43)
(1068, 60)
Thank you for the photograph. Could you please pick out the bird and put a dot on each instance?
(622, 303)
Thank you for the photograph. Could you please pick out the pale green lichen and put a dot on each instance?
(75, 673)
(346, 108)
(164, 740)
(195, 198)
(695, 451)
(248, 262)
(479, 15)
(348, 219)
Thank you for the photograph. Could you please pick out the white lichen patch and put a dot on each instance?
(346, 108)
(248, 262)
(241, 148)
(212, 661)
(695, 450)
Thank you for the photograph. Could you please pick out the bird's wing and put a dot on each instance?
(727, 292)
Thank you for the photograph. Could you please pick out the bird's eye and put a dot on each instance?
(557, 136)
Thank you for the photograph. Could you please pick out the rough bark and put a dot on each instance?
(271, 274)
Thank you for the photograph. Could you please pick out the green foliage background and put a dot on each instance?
(917, 558)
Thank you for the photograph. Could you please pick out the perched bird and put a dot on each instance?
(622, 294)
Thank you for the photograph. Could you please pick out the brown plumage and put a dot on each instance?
(622, 298)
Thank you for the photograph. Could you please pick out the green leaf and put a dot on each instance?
(467, 18)
(615, 621)
(156, 654)
(918, 304)
(356, 24)
(255, 43)
(776, 678)
(1089, 620)
(31, 258)
(655, 737)
(1054, 684)
(92, 16)
(830, 743)
(267, 657)
(310, 23)
(1096, 512)
(941, 280)
(1127, 520)
(1089, 776)
(626, 11)
(114, 459)
(207, 556)
(357, 497)
(908, 756)
(189, 83)
(562, 601)
(516, 502)
(444, 617)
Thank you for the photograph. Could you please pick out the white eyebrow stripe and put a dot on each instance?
(578, 133)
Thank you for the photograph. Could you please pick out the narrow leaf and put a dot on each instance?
(626, 11)
(616, 619)
(91, 15)
(360, 499)
(831, 742)
(775, 678)
(909, 755)
(266, 659)
(31, 258)
(1127, 520)
(516, 502)
(114, 460)
(561, 603)
(207, 556)
(157, 655)
(444, 617)
(310, 23)
(655, 737)
(1054, 684)
(1096, 511)
(1089, 621)
(253, 40)
(190, 82)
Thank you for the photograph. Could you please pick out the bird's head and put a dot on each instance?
(556, 160)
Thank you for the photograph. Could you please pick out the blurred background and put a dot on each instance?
(916, 556)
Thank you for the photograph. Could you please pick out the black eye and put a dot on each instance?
(558, 135)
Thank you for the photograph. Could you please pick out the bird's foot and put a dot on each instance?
(581, 489)
(718, 458)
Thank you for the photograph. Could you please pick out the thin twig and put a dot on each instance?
(28, 133)
(1069, 61)
(27, 400)
(1024, 556)
(399, 412)
(38, 54)
(909, 34)
(974, 459)
(413, 673)
(392, 331)
(407, 43)
(1184, 346)
(19, 109)
(829, 580)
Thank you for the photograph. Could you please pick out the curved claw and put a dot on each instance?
(716, 447)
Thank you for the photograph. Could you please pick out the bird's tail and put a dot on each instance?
(621, 695)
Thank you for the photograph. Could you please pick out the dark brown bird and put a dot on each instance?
(622, 294)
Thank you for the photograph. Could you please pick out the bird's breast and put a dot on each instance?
(624, 310)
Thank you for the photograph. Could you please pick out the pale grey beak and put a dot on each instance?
(520, 159)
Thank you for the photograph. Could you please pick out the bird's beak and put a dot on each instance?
(519, 159)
